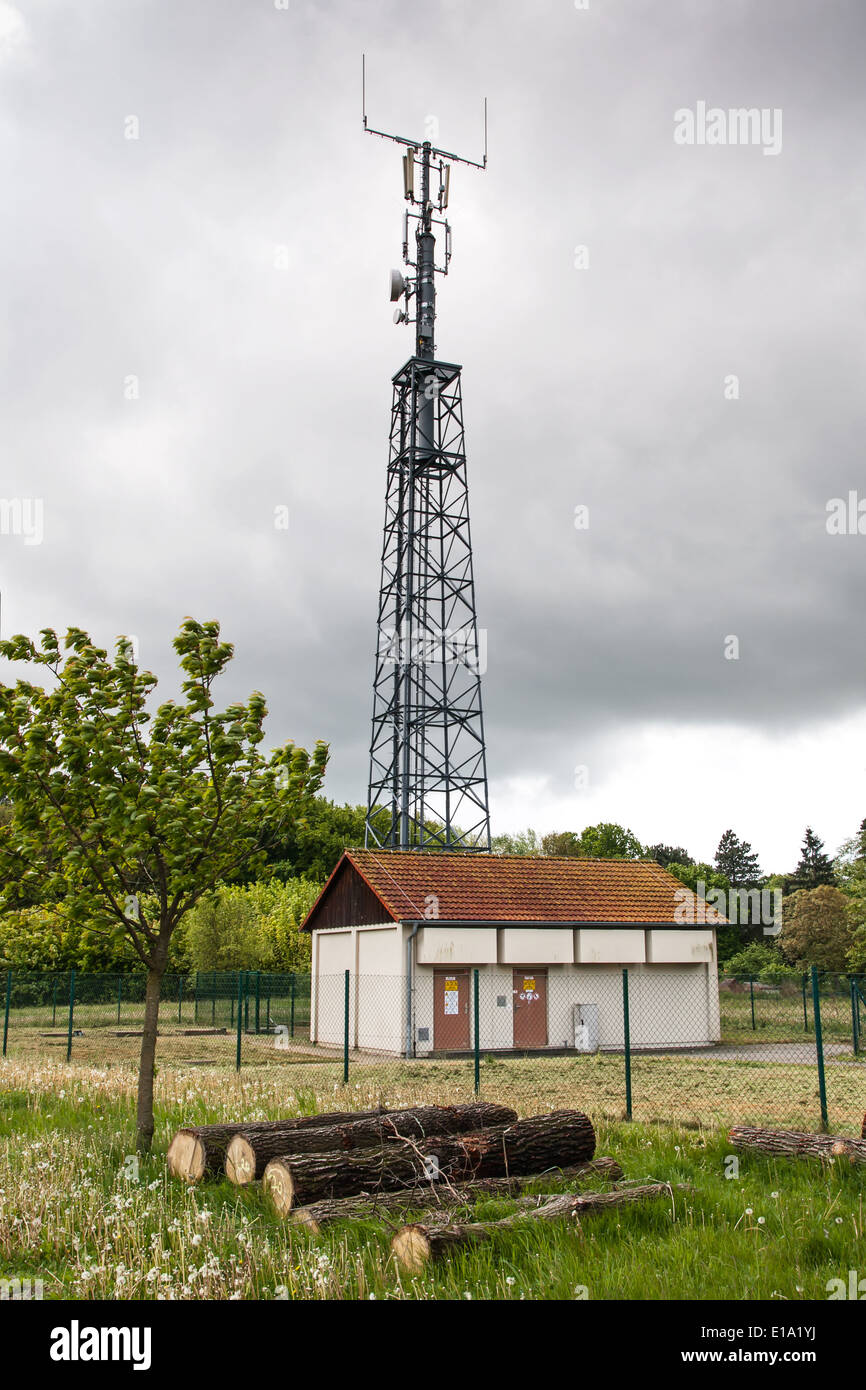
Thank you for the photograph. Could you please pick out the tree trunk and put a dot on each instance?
(416, 1245)
(536, 1145)
(789, 1143)
(144, 1115)
(433, 1196)
(527, 1146)
(249, 1153)
(197, 1150)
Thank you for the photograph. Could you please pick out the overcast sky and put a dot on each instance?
(233, 259)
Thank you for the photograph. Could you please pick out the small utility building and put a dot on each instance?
(549, 938)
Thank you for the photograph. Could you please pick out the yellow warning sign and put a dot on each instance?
(529, 983)
(450, 984)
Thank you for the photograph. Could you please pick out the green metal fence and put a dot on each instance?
(651, 1044)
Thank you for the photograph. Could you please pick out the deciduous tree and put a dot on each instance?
(817, 928)
(115, 808)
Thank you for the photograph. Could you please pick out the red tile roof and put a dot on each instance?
(519, 888)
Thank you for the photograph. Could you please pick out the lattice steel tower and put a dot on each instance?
(428, 765)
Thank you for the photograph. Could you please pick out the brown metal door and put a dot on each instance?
(530, 1008)
(451, 1010)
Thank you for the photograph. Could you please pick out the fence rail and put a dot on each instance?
(649, 1044)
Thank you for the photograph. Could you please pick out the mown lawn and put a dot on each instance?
(75, 1212)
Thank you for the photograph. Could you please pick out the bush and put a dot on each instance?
(760, 962)
(253, 926)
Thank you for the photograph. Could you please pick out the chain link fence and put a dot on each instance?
(642, 1043)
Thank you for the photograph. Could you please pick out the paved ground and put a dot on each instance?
(775, 1052)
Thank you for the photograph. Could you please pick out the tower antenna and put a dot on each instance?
(428, 761)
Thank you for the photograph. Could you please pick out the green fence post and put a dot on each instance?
(752, 993)
(212, 998)
(258, 999)
(119, 996)
(179, 998)
(476, 992)
(626, 1036)
(292, 987)
(346, 1036)
(805, 1009)
(6, 1016)
(855, 1018)
(819, 1048)
(54, 1004)
(71, 1014)
(240, 1018)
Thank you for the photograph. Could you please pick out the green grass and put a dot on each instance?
(73, 1212)
(779, 1016)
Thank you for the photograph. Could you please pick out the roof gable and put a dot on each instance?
(347, 898)
(370, 886)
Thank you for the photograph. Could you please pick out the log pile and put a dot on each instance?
(436, 1196)
(433, 1162)
(521, 1147)
(249, 1152)
(199, 1150)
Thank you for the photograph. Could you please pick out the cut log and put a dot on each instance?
(434, 1196)
(414, 1246)
(249, 1154)
(789, 1143)
(528, 1146)
(197, 1150)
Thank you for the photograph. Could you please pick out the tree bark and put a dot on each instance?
(789, 1143)
(197, 1150)
(144, 1111)
(527, 1146)
(249, 1153)
(415, 1245)
(434, 1196)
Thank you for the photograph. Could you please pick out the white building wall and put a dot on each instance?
(685, 946)
(381, 974)
(673, 992)
(670, 1006)
(374, 1009)
(536, 946)
(610, 946)
(446, 946)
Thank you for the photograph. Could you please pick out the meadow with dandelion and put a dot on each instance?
(84, 1213)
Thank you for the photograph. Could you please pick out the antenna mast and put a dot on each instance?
(428, 762)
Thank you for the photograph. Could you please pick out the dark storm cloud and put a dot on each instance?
(232, 259)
